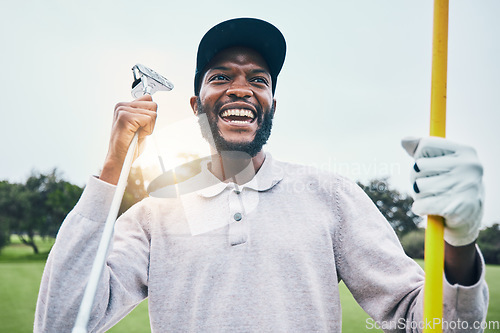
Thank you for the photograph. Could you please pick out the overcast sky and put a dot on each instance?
(355, 81)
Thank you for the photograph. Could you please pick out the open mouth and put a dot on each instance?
(238, 116)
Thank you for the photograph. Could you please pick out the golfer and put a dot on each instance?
(261, 245)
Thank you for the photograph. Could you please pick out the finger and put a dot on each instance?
(149, 105)
(447, 206)
(427, 167)
(434, 147)
(142, 99)
(124, 128)
(415, 188)
(143, 125)
(133, 110)
(453, 182)
(410, 144)
(143, 102)
(144, 120)
(145, 97)
(435, 185)
(429, 206)
(436, 165)
(133, 119)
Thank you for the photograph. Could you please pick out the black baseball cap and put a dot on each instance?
(256, 34)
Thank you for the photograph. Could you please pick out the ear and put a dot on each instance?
(274, 107)
(194, 104)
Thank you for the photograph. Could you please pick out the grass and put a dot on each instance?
(136, 321)
(353, 317)
(21, 271)
(16, 251)
(18, 292)
(493, 279)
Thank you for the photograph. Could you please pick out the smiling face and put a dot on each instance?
(236, 96)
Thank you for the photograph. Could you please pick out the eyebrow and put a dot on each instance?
(261, 71)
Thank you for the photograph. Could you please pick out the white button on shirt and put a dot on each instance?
(214, 204)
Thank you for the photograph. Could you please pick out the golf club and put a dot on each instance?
(146, 81)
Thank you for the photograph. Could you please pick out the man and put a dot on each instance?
(262, 244)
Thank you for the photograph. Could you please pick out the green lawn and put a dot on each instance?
(16, 251)
(21, 271)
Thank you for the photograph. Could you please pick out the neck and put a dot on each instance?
(237, 167)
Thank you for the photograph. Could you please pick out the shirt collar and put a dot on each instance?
(268, 175)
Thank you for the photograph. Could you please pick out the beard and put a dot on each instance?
(213, 136)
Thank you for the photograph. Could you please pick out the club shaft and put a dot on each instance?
(100, 259)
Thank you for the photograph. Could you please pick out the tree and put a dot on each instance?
(489, 243)
(39, 206)
(13, 206)
(135, 190)
(395, 206)
(413, 243)
(61, 198)
(5, 194)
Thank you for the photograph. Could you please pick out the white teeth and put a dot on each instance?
(238, 112)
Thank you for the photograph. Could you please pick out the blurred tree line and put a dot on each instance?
(36, 207)
(39, 206)
(396, 207)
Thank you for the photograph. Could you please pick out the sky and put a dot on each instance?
(356, 80)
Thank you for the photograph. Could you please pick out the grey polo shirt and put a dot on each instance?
(263, 257)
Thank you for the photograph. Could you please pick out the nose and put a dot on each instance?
(239, 89)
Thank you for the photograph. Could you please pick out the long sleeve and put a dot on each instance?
(384, 281)
(124, 281)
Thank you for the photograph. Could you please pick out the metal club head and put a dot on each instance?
(147, 81)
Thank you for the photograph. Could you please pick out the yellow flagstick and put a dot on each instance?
(434, 243)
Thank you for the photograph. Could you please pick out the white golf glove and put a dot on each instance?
(447, 181)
